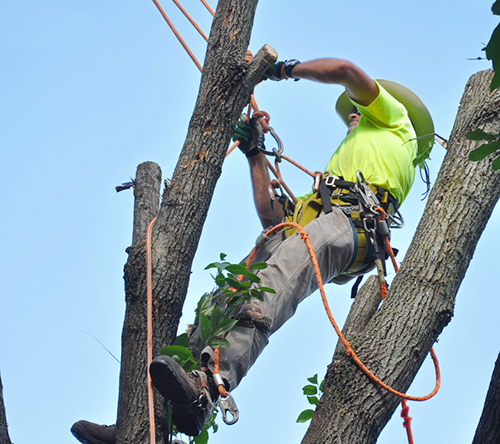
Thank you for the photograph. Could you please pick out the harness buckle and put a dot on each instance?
(330, 181)
(228, 405)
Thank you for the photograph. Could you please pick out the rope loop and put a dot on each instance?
(264, 118)
(379, 213)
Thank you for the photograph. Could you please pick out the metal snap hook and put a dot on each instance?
(228, 405)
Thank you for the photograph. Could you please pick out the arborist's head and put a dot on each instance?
(418, 113)
(353, 119)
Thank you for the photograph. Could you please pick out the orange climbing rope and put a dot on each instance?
(149, 322)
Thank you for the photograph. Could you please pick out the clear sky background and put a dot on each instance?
(90, 89)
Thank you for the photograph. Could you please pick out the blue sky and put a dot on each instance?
(90, 89)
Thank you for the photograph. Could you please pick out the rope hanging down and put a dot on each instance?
(149, 322)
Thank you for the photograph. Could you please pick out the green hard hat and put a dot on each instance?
(418, 113)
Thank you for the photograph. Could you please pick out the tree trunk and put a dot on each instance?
(133, 417)
(4, 431)
(399, 335)
(226, 85)
(488, 430)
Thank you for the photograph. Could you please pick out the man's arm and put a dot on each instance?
(359, 86)
(259, 174)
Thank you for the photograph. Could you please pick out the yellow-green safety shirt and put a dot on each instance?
(382, 146)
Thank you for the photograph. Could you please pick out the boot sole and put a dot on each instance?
(172, 382)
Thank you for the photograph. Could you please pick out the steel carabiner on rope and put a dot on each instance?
(275, 152)
(228, 405)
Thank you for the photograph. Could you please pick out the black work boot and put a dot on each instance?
(90, 433)
(189, 394)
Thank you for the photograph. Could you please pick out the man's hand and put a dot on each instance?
(280, 70)
(247, 132)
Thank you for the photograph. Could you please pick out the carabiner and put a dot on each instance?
(228, 405)
(275, 152)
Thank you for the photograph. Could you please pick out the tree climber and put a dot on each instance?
(386, 128)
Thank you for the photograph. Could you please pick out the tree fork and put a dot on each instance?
(421, 299)
(226, 85)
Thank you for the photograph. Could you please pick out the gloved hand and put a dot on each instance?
(247, 133)
(280, 70)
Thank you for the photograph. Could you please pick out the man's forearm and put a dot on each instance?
(358, 84)
(259, 174)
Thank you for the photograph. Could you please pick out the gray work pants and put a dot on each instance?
(291, 274)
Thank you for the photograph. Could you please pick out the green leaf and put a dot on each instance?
(256, 294)
(182, 340)
(218, 342)
(181, 355)
(236, 284)
(202, 438)
(267, 290)
(222, 256)
(219, 265)
(236, 269)
(258, 266)
(496, 164)
(493, 54)
(313, 379)
(305, 416)
(220, 280)
(215, 317)
(479, 134)
(205, 304)
(322, 386)
(496, 8)
(228, 292)
(484, 151)
(310, 390)
(204, 328)
(224, 326)
(313, 400)
(424, 150)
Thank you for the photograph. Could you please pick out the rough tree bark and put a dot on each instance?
(226, 84)
(395, 341)
(4, 431)
(488, 430)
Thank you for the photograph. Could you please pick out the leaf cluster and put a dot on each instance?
(493, 146)
(313, 392)
(235, 287)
